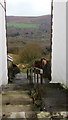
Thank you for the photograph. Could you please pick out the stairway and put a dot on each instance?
(16, 101)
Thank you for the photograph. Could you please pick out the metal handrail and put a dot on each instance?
(35, 73)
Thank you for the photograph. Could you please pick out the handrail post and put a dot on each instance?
(37, 77)
(31, 77)
(30, 74)
(27, 73)
(34, 75)
(41, 76)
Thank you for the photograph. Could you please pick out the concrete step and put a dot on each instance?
(17, 111)
(17, 104)
(16, 98)
(25, 115)
(13, 87)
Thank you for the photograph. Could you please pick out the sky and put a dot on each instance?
(28, 7)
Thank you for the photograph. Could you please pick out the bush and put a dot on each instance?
(30, 52)
(14, 34)
(46, 50)
(13, 50)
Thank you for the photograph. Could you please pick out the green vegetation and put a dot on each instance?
(23, 25)
(14, 34)
(23, 70)
(13, 49)
(28, 40)
(29, 53)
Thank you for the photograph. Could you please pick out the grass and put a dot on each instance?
(23, 70)
(23, 25)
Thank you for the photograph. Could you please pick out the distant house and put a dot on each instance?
(3, 46)
(60, 42)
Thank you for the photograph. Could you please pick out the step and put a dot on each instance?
(15, 86)
(8, 109)
(25, 115)
(16, 98)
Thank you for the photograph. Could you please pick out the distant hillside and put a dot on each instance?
(29, 20)
(21, 30)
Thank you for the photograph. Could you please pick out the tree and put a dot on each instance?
(30, 52)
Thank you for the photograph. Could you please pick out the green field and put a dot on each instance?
(23, 25)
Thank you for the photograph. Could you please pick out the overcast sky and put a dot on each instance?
(28, 7)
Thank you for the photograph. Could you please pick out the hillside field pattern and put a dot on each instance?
(19, 25)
